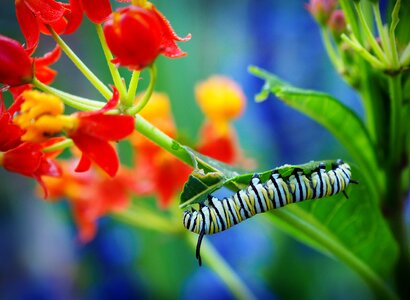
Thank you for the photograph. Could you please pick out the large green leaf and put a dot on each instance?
(351, 230)
(340, 120)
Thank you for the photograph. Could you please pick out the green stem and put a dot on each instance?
(369, 36)
(382, 33)
(392, 34)
(104, 90)
(350, 16)
(301, 221)
(221, 268)
(141, 104)
(133, 86)
(115, 74)
(395, 93)
(71, 100)
(363, 52)
(142, 217)
(162, 140)
(59, 146)
(335, 59)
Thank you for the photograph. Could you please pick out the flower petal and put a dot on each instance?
(97, 10)
(99, 151)
(107, 127)
(84, 164)
(15, 64)
(25, 159)
(48, 11)
(41, 65)
(168, 45)
(29, 26)
(111, 104)
(74, 16)
(49, 58)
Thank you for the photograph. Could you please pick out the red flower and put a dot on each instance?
(17, 68)
(15, 65)
(93, 132)
(25, 158)
(136, 36)
(97, 10)
(33, 15)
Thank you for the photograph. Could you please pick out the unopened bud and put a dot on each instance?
(321, 10)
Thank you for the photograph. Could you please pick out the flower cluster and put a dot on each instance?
(35, 128)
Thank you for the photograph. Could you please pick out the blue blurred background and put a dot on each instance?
(39, 255)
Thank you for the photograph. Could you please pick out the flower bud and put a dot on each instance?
(15, 64)
(321, 10)
(337, 24)
(136, 36)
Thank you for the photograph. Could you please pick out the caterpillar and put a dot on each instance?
(215, 215)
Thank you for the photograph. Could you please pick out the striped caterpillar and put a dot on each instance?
(216, 215)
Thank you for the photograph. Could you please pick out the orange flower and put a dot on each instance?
(222, 100)
(91, 195)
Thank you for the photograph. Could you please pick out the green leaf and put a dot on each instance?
(351, 230)
(395, 17)
(209, 164)
(199, 185)
(340, 120)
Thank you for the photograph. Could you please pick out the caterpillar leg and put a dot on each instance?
(351, 181)
(198, 246)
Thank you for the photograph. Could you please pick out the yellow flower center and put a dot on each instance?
(41, 116)
(142, 3)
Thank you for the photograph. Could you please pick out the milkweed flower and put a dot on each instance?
(91, 195)
(221, 100)
(15, 64)
(25, 158)
(92, 132)
(137, 35)
(41, 117)
(17, 68)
